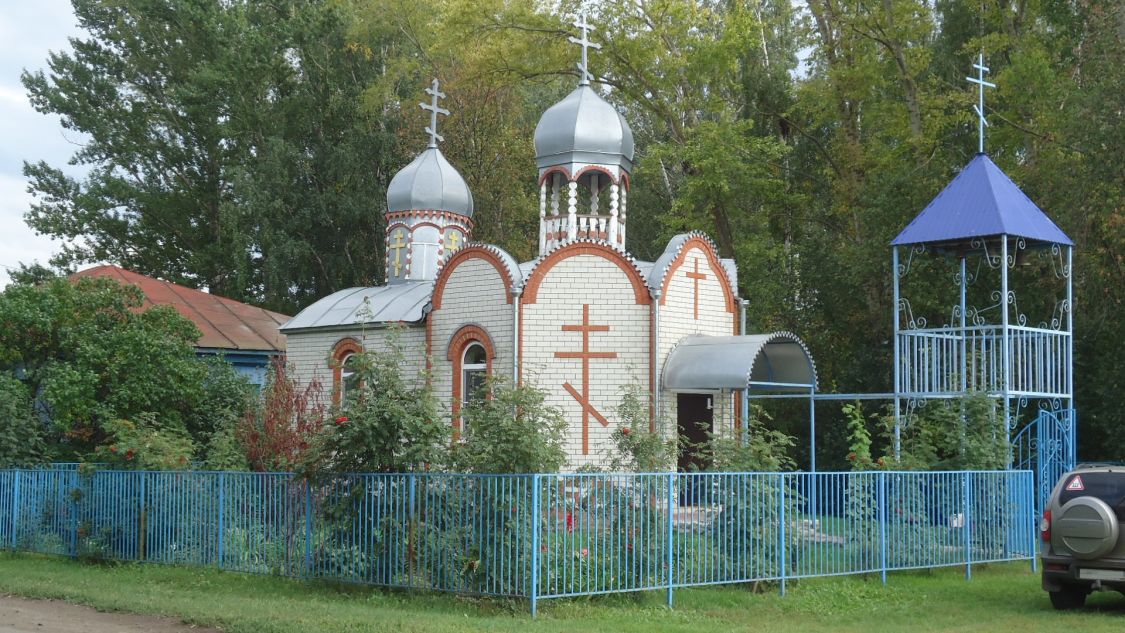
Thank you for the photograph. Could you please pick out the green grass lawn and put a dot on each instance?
(999, 598)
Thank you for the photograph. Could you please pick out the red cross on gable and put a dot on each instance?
(586, 356)
(696, 277)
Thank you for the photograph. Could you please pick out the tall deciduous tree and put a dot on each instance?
(227, 147)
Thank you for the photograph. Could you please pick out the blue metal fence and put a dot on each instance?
(530, 536)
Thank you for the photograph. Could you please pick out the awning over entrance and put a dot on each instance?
(763, 362)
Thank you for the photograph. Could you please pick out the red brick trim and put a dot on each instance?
(340, 351)
(461, 340)
(429, 213)
(712, 260)
(462, 255)
(531, 289)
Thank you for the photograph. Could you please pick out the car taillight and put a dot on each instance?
(1045, 526)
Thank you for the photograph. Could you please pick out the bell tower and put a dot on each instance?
(584, 151)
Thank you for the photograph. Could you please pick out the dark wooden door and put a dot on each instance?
(696, 420)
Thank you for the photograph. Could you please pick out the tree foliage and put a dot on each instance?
(88, 356)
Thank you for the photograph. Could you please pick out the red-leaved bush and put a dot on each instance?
(277, 432)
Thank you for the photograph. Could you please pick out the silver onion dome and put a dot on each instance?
(583, 129)
(429, 182)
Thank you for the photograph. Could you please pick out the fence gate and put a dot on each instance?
(1046, 446)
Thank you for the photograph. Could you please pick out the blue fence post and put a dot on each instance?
(883, 526)
(308, 528)
(16, 510)
(671, 527)
(222, 516)
(968, 523)
(412, 544)
(142, 527)
(533, 590)
(1028, 486)
(74, 519)
(783, 554)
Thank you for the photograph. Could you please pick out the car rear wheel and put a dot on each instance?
(1068, 597)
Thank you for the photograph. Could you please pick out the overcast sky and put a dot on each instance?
(28, 31)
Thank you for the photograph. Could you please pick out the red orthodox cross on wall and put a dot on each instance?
(586, 356)
(696, 277)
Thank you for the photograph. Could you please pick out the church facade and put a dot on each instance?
(583, 321)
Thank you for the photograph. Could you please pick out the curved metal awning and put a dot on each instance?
(762, 362)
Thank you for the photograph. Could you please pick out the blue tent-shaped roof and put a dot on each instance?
(980, 202)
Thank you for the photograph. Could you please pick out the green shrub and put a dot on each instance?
(388, 424)
(513, 430)
(21, 432)
(145, 444)
(636, 447)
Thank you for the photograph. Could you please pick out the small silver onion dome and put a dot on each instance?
(429, 182)
(583, 129)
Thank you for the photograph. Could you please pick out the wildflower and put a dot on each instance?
(585, 552)
(113, 448)
(569, 523)
(626, 431)
(629, 547)
(852, 457)
(129, 454)
(340, 420)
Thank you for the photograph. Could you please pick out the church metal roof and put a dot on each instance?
(778, 361)
(583, 129)
(430, 183)
(397, 303)
(981, 201)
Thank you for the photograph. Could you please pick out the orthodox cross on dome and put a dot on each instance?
(979, 109)
(584, 66)
(696, 277)
(397, 247)
(585, 356)
(434, 110)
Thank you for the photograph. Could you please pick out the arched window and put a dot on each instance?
(474, 372)
(349, 379)
(471, 351)
(344, 377)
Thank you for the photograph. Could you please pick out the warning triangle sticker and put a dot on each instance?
(1075, 484)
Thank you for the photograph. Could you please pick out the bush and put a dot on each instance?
(21, 432)
(144, 444)
(227, 396)
(763, 449)
(386, 425)
(277, 433)
(513, 430)
(967, 433)
(636, 447)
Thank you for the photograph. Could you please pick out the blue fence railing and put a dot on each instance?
(530, 536)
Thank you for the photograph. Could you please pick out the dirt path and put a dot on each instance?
(19, 615)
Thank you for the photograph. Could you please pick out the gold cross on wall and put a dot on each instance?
(696, 277)
(453, 241)
(397, 247)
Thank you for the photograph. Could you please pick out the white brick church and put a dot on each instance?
(582, 320)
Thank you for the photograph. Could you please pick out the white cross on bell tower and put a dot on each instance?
(584, 74)
(979, 109)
